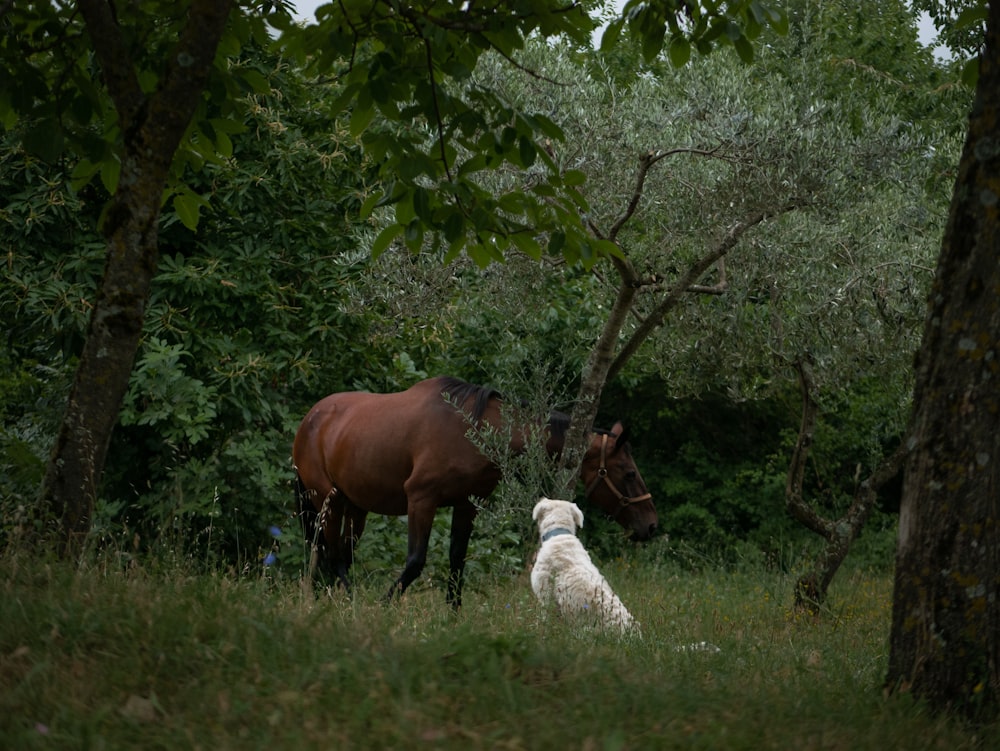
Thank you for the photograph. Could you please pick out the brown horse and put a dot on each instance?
(408, 453)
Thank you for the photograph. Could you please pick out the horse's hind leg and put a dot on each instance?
(324, 547)
(462, 518)
(316, 544)
(354, 520)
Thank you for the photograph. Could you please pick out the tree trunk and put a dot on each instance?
(153, 127)
(812, 587)
(606, 360)
(945, 639)
(595, 375)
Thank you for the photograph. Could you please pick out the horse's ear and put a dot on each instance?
(620, 432)
(577, 516)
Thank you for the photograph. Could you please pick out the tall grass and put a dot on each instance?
(154, 657)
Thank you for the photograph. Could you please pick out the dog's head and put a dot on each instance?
(552, 514)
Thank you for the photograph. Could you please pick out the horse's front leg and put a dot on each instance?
(420, 519)
(462, 518)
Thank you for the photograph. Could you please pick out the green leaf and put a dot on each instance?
(970, 72)
(454, 249)
(608, 248)
(361, 118)
(779, 21)
(652, 43)
(972, 16)
(679, 51)
(612, 34)
(422, 204)
(83, 172)
(413, 236)
(744, 49)
(527, 245)
(187, 210)
(454, 227)
(347, 96)
(557, 241)
(385, 238)
(369, 204)
(110, 170)
(405, 211)
(45, 140)
(526, 151)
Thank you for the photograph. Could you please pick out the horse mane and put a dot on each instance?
(558, 425)
(460, 391)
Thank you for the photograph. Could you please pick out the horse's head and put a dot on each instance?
(614, 484)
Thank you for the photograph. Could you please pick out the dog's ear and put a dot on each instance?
(539, 508)
(577, 515)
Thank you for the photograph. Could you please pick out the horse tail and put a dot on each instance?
(304, 508)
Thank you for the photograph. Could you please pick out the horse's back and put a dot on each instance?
(373, 446)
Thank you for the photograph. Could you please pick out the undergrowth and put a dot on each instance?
(154, 656)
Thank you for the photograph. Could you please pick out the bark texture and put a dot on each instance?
(945, 640)
(153, 126)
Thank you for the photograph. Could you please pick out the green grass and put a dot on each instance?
(161, 659)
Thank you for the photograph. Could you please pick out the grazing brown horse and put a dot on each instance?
(408, 453)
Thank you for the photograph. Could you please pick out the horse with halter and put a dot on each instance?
(408, 453)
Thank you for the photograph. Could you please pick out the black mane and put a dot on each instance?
(460, 391)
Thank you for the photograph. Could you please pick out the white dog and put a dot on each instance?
(564, 573)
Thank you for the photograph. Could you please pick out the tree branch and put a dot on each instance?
(437, 109)
(683, 285)
(794, 502)
(646, 161)
(116, 63)
(811, 588)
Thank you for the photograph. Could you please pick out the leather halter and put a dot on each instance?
(602, 474)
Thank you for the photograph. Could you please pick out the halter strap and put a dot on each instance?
(556, 532)
(602, 474)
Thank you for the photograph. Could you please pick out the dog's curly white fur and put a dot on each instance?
(563, 573)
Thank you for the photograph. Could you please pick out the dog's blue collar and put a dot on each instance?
(556, 532)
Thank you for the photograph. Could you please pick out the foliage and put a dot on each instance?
(274, 302)
(154, 656)
(241, 332)
(52, 97)
(960, 24)
(408, 72)
(844, 276)
(698, 25)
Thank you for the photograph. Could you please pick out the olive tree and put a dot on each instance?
(763, 214)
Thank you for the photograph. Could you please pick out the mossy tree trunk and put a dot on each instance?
(153, 125)
(945, 639)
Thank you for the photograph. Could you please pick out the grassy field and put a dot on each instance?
(155, 658)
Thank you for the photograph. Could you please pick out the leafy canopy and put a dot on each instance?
(410, 62)
(439, 129)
